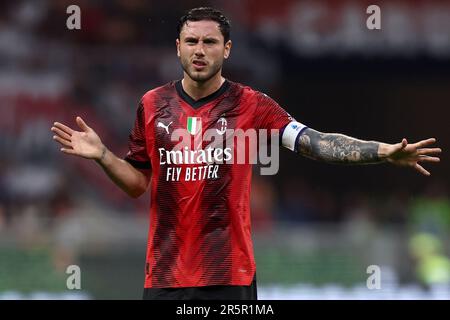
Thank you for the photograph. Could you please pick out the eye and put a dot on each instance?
(209, 41)
(190, 41)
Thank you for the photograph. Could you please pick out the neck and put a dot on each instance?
(197, 90)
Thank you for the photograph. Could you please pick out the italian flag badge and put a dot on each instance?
(194, 125)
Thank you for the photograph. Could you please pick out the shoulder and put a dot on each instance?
(253, 93)
(163, 90)
(248, 93)
(241, 88)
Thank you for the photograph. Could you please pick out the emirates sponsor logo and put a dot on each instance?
(199, 157)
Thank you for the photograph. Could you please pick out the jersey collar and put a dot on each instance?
(198, 103)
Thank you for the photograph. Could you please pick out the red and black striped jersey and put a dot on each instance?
(200, 230)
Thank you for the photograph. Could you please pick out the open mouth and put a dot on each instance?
(199, 63)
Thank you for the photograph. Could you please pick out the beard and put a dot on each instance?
(201, 76)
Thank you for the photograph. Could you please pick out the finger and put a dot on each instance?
(404, 143)
(82, 124)
(401, 145)
(62, 141)
(429, 159)
(425, 151)
(68, 151)
(421, 169)
(424, 143)
(61, 133)
(63, 127)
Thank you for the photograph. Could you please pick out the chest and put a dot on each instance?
(177, 120)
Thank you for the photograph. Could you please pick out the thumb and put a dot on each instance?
(82, 124)
(404, 143)
(401, 145)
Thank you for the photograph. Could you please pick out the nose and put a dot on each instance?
(199, 50)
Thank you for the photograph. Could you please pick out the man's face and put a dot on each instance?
(201, 49)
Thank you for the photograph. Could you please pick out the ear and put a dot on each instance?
(227, 49)
(177, 42)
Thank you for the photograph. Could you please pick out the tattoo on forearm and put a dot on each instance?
(337, 148)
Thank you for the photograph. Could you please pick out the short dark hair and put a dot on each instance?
(207, 13)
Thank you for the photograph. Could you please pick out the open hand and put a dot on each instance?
(409, 155)
(85, 143)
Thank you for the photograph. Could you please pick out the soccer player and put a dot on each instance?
(199, 243)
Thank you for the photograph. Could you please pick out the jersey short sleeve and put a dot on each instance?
(137, 154)
(270, 115)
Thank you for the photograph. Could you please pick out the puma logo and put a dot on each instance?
(161, 125)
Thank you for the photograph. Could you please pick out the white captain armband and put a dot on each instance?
(291, 133)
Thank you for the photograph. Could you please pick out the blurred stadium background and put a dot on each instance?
(316, 227)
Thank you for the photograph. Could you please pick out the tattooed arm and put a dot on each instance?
(338, 148)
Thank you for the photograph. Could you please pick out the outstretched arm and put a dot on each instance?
(339, 148)
(87, 144)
